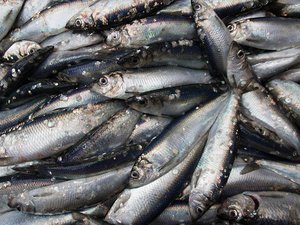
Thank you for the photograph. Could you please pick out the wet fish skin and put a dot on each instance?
(148, 128)
(31, 8)
(184, 53)
(255, 136)
(141, 205)
(21, 69)
(172, 145)
(150, 30)
(110, 13)
(261, 179)
(262, 208)
(287, 8)
(9, 12)
(73, 194)
(52, 130)
(106, 139)
(60, 60)
(266, 65)
(124, 84)
(12, 117)
(211, 173)
(126, 155)
(222, 8)
(173, 101)
(16, 217)
(71, 99)
(286, 92)
(40, 87)
(214, 36)
(72, 40)
(239, 74)
(261, 108)
(20, 49)
(293, 74)
(269, 33)
(92, 71)
(43, 25)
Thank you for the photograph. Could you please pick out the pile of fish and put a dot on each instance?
(157, 112)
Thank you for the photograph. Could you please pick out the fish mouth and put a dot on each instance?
(196, 205)
(26, 206)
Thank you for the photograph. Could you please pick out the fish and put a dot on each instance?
(183, 53)
(110, 13)
(292, 74)
(147, 129)
(42, 25)
(261, 108)
(71, 40)
(170, 148)
(124, 84)
(287, 8)
(222, 8)
(70, 195)
(31, 8)
(21, 69)
(13, 117)
(60, 60)
(268, 33)
(214, 36)
(20, 49)
(239, 74)
(143, 204)
(65, 170)
(40, 87)
(51, 132)
(286, 92)
(105, 140)
(71, 99)
(256, 136)
(10, 11)
(265, 65)
(174, 101)
(211, 173)
(261, 179)
(262, 208)
(150, 30)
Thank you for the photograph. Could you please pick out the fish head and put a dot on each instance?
(21, 49)
(111, 85)
(139, 102)
(199, 203)
(113, 38)
(130, 61)
(82, 21)
(239, 208)
(202, 11)
(141, 173)
(238, 31)
(238, 71)
(21, 202)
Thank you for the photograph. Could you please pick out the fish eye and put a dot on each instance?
(199, 210)
(233, 213)
(240, 54)
(135, 174)
(197, 7)
(32, 50)
(78, 23)
(103, 81)
(134, 60)
(231, 27)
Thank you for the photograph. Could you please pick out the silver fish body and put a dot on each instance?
(141, 205)
(53, 132)
(173, 144)
(215, 164)
(269, 33)
(9, 12)
(73, 194)
(127, 83)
